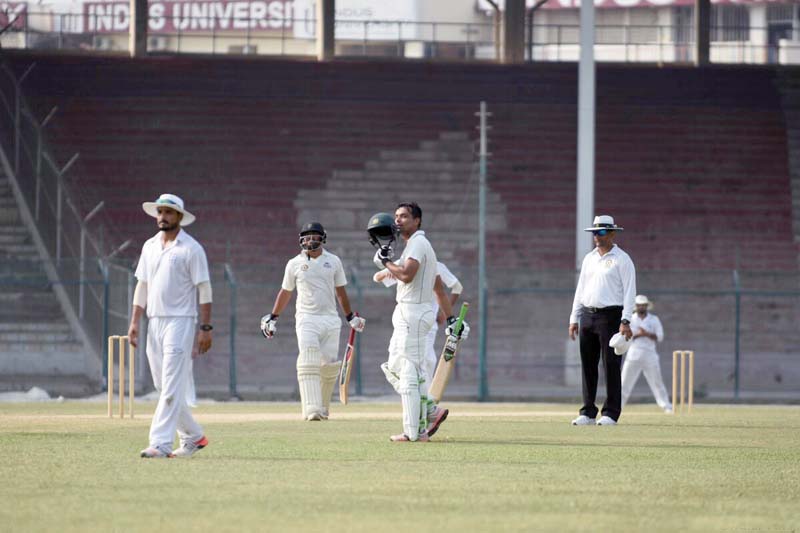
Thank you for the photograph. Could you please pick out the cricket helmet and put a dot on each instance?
(381, 229)
(312, 228)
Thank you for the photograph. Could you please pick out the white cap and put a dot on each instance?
(604, 222)
(171, 201)
(619, 343)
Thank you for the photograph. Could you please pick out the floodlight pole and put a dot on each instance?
(483, 382)
(586, 125)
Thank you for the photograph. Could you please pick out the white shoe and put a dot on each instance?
(314, 417)
(155, 453)
(188, 449)
(668, 410)
(583, 420)
(606, 421)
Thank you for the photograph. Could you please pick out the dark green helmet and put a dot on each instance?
(381, 228)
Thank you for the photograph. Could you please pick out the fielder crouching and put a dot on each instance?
(319, 278)
(414, 316)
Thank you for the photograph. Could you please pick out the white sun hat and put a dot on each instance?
(171, 201)
(641, 299)
(604, 222)
(619, 343)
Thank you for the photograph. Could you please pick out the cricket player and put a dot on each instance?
(436, 415)
(319, 278)
(172, 273)
(414, 316)
(642, 355)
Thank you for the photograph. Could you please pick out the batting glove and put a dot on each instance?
(451, 322)
(356, 322)
(383, 256)
(268, 326)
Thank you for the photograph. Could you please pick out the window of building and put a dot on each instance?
(728, 23)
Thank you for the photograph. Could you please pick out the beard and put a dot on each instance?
(163, 226)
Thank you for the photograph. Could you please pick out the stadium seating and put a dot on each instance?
(693, 162)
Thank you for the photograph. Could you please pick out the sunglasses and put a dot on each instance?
(601, 232)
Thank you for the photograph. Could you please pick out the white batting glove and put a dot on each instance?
(382, 256)
(451, 322)
(268, 325)
(356, 322)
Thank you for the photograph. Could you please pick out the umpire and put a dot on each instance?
(602, 306)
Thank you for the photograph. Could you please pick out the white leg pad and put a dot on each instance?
(411, 398)
(308, 378)
(392, 377)
(330, 376)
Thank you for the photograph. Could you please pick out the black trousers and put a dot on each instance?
(596, 329)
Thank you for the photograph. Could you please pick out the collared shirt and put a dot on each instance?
(420, 289)
(605, 280)
(448, 278)
(315, 279)
(645, 345)
(172, 275)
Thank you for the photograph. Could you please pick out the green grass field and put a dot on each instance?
(492, 467)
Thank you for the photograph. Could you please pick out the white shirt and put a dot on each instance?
(448, 278)
(605, 280)
(172, 275)
(420, 289)
(315, 279)
(642, 346)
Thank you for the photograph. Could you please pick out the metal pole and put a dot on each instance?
(58, 219)
(586, 126)
(106, 303)
(232, 385)
(736, 353)
(81, 272)
(483, 385)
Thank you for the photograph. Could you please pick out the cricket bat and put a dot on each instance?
(347, 366)
(447, 360)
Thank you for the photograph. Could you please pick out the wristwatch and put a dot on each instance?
(206, 327)
(626, 322)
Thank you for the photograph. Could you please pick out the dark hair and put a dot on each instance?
(413, 208)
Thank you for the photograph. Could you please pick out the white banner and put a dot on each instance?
(361, 19)
(200, 15)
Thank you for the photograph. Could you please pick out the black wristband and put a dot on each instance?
(384, 260)
(350, 316)
(206, 327)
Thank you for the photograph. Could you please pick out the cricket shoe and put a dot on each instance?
(188, 449)
(606, 421)
(583, 420)
(423, 437)
(314, 417)
(155, 453)
(435, 420)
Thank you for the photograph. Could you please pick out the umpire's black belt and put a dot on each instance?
(609, 309)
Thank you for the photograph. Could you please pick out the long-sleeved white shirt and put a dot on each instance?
(645, 346)
(605, 280)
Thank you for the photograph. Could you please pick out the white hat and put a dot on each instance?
(641, 299)
(171, 201)
(604, 222)
(619, 343)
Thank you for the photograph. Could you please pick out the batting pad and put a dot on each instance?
(410, 396)
(330, 375)
(391, 377)
(308, 378)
